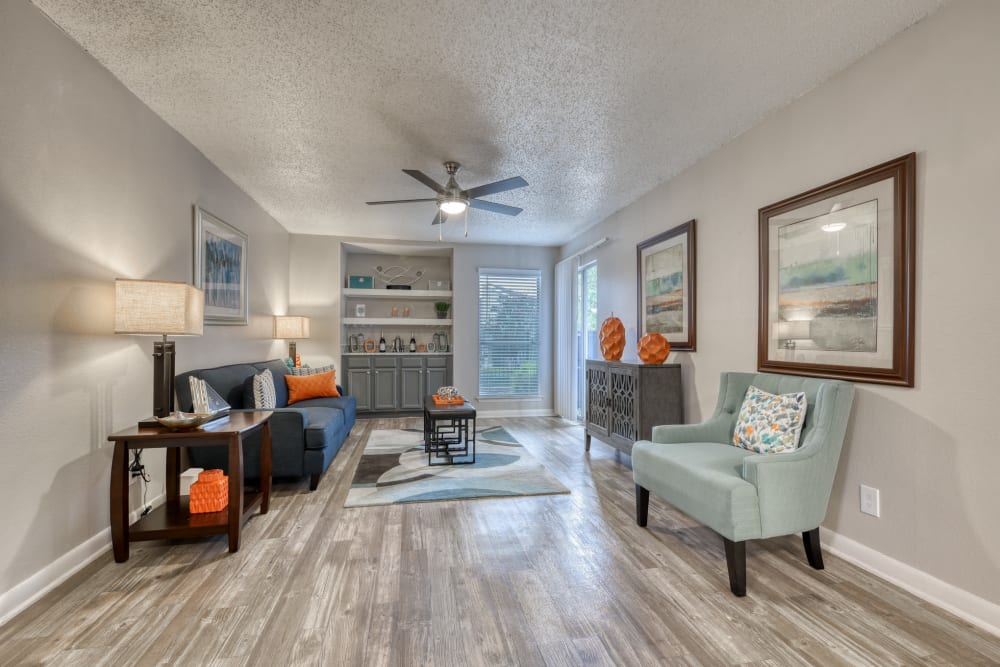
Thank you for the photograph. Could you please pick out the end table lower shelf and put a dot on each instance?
(173, 520)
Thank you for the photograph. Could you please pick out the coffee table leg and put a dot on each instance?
(119, 501)
(235, 491)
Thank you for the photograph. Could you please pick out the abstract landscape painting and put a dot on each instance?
(828, 275)
(220, 268)
(666, 286)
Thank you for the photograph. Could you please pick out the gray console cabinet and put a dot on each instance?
(625, 401)
(395, 382)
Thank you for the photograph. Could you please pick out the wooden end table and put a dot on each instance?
(173, 519)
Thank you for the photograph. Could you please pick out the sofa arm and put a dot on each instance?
(792, 490)
(716, 429)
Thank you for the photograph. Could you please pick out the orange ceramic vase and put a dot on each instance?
(612, 338)
(653, 348)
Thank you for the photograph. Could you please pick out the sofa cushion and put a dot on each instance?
(346, 404)
(228, 381)
(263, 390)
(702, 479)
(323, 426)
(278, 370)
(321, 385)
(770, 423)
(306, 370)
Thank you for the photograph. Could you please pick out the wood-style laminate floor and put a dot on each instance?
(546, 580)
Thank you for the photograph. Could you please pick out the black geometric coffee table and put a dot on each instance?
(447, 436)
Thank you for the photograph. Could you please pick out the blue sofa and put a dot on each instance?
(304, 436)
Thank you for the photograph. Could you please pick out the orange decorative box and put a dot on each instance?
(441, 400)
(210, 493)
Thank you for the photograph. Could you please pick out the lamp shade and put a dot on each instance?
(158, 307)
(291, 326)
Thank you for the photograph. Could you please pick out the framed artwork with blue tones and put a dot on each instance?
(220, 268)
(837, 278)
(666, 289)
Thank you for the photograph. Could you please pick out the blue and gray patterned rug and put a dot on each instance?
(393, 469)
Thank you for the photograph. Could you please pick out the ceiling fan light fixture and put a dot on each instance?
(452, 206)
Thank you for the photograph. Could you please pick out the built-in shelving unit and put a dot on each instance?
(395, 380)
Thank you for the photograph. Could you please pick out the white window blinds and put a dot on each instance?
(509, 340)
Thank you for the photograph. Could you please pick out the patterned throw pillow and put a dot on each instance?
(263, 391)
(305, 370)
(318, 385)
(768, 423)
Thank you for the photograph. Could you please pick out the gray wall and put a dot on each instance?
(93, 186)
(932, 449)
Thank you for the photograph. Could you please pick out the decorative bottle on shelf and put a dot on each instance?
(413, 343)
(381, 342)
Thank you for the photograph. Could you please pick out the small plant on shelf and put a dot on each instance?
(442, 309)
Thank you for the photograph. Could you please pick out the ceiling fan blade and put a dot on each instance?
(425, 179)
(398, 201)
(438, 219)
(493, 206)
(498, 186)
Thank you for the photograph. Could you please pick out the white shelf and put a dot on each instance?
(397, 321)
(398, 294)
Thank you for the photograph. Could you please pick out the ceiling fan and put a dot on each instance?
(452, 200)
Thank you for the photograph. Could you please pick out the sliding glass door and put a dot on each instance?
(586, 330)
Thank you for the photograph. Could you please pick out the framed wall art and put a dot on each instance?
(666, 289)
(220, 268)
(837, 278)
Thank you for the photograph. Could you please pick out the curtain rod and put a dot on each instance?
(592, 246)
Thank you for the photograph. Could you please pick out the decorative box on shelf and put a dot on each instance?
(439, 284)
(361, 282)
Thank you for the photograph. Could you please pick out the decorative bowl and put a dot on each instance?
(183, 420)
(447, 392)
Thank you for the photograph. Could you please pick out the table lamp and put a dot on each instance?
(159, 308)
(291, 327)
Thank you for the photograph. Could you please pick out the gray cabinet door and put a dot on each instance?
(411, 388)
(359, 385)
(437, 378)
(384, 394)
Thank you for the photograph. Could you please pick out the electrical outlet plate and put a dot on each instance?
(870, 501)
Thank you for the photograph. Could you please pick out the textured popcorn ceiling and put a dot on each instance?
(314, 106)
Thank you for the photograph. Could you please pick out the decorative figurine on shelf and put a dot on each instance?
(612, 338)
(653, 348)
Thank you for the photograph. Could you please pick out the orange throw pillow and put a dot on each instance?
(320, 385)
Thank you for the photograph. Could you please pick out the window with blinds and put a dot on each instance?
(509, 332)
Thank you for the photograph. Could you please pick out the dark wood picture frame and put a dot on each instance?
(682, 235)
(864, 332)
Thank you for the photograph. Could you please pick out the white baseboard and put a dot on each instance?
(532, 412)
(32, 589)
(976, 610)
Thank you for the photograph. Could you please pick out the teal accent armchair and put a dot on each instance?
(740, 494)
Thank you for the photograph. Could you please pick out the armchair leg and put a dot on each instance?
(641, 505)
(814, 554)
(313, 482)
(736, 562)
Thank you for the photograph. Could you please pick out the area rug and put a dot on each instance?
(393, 469)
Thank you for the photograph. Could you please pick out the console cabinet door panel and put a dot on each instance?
(359, 385)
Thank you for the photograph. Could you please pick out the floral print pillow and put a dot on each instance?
(768, 423)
